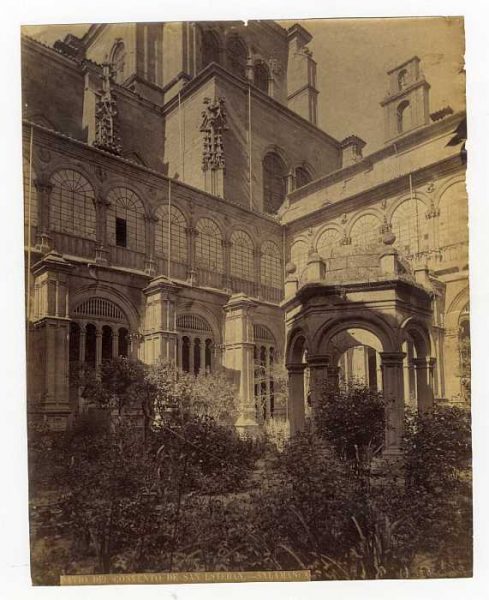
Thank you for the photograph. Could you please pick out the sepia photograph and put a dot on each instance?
(247, 301)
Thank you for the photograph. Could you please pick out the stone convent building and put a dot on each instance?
(182, 204)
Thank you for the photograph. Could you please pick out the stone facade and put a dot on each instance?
(171, 214)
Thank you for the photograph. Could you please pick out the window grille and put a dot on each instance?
(126, 205)
(192, 323)
(410, 227)
(327, 242)
(271, 265)
(99, 307)
(242, 256)
(72, 204)
(208, 246)
(178, 234)
(262, 333)
(365, 231)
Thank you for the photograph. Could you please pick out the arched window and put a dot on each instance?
(208, 246)
(409, 225)
(271, 265)
(178, 238)
(328, 242)
(210, 48)
(453, 220)
(264, 356)
(30, 195)
(125, 220)
(261, 76)
(237, 55)
(302, 177)
(402, 79)
(90, 344)
(274, 182)
(118, 60)
(71, 207)
(242, 256)
(106, 342)
(365, 231)
(196, 344)
(298, 255)
(404, 121)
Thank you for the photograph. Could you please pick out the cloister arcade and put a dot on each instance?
(392, 351)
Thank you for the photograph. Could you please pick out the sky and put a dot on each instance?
(353, 56)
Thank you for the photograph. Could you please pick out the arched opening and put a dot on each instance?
(210, 48)
(237, 55)
(357, 351)
(402, 79)
(410, 227)
(298, 383)
(118, 60)
(264, 353)
(123, 343)
(261, 76)
(404, 117)
(196, 344)
(274, 182)
(91, 345)
(418, 369)
(106, 342)
(126, 220)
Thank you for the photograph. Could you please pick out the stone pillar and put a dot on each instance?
(295, 408)
(83, 341)
(149, 262)
(318, 369)
(393, 388)
(101, 251)
(44, 189)
(257, 254)
(48, 352)
(98, 347)
(424, 389)
(159, 333)
(238, 356)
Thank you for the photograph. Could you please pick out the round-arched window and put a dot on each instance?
(271, 265)
(208, 246)
(118, 60)
(72, 204)
(125, 220)
(328, 241)
(237, 55)
(410, 227)
(242, 256)
(365, 231)
(274, 182)
(170, 234)
(261, 76)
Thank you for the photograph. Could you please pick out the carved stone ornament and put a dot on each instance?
(44, 155)
(106, 115)
(275, 66)
(213, 126)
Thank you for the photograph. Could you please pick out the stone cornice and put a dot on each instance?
(52, 138)
(403, 143)
(213, 69)
(395, 185)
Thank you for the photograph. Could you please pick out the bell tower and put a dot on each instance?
(406, 106)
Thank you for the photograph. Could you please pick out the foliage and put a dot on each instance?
(352, 419)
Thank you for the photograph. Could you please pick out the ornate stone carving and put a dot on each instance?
(106, 116)
(213, 126)
(275, 66)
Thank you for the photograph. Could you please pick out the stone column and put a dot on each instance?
(424, 389)
(160, 334)
(44, 189)
(393, 388)
(101, 251)
(98, 347)
(238, 356)
(83, 341)
(318, 369)
(149, 262)
(295, 408)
